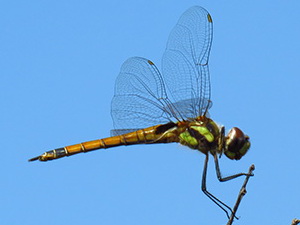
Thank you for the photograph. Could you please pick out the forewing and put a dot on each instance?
(185, 63)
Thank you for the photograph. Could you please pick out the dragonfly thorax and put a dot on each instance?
(202, 134)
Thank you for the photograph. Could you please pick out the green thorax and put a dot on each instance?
(202, 134)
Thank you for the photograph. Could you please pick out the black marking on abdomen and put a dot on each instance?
(60, 152)
(163, 128)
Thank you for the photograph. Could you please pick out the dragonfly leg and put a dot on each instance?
(217, 201)
(222, 179)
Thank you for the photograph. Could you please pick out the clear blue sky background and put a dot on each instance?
(58, 64)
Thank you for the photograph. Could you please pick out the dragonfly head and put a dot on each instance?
(236, 144)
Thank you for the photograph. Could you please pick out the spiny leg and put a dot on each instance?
(222, 179)
(243, 189)
(218, 202)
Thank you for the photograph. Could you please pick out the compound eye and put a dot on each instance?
(236, 144)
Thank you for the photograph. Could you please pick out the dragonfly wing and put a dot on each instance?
(185, 63)
(140, 97)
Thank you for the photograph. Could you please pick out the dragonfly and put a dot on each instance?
(152, 107)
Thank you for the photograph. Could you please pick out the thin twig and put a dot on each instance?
(295, 222)
(240, 196)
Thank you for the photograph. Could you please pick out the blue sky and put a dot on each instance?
(58, 64)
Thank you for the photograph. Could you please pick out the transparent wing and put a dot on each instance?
(185, 62)
(140, 97)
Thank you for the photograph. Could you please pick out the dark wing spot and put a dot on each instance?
(162, 128)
